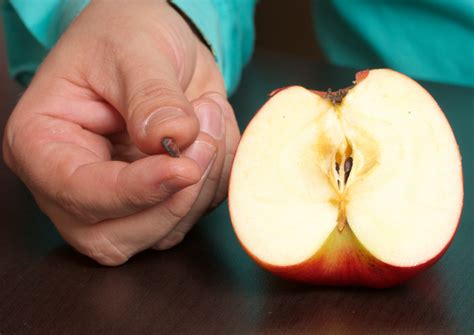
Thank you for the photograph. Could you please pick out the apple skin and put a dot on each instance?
(343, 260)
(361, 75)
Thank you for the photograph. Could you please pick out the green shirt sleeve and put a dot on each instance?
(228, 27)
(32, 27)
(426, 39)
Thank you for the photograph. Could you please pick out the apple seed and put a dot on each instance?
(347, 168)
(170, 146)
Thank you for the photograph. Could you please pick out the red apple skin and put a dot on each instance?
(361, 75)
(353, 265)
(276, 91)
(350, 265)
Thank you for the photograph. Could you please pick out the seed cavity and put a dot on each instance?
(343, 163)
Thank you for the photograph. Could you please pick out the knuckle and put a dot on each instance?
(74, 206)
(132, 200)
(149, 95)
(101, 249)
(67, 202)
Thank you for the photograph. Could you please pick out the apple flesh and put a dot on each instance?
(362, 186)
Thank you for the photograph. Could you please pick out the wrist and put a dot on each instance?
(191, 25)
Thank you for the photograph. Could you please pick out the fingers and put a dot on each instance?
(140, 68)
(138, 84)
(212, 121)
(71, 166)
(207, 68)
(150, 97)
(113, 242)
(102, 186)
(157, 109)
(231, 144)
(114, 189)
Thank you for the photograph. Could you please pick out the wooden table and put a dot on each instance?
(208, 285)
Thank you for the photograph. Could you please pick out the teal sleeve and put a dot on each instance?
(32, 28)
(426, 39)
(228, 27)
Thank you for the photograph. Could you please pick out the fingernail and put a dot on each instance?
(162, 115)
(202, 153)
(175, 184)
(211, 119)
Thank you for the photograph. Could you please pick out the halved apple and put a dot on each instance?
(362, 186)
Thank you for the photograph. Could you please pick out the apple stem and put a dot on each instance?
(337, 96)
(170, 146)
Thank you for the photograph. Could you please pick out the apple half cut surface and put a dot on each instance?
(361, 186)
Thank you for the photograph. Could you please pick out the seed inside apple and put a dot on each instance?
(361, 186)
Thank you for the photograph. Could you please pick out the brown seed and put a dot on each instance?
(170, 146)
(347, 168)
(348, 165)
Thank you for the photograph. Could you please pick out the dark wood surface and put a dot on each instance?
(208, 285)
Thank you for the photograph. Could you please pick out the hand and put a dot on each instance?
(86, 135)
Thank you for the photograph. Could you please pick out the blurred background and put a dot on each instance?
(297, 38)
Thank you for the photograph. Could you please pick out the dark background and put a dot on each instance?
(286, 28)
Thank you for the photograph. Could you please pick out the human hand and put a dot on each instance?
(86, 135)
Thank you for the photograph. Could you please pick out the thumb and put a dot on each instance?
(153, 104)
